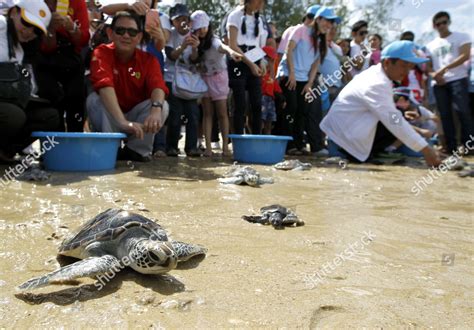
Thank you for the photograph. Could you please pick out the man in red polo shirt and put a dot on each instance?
(129, 89)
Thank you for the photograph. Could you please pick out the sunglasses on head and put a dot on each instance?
(363, 33)
(36, 29)
(441, 23)
(122, 30)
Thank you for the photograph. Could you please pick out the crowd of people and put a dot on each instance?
(132, 68)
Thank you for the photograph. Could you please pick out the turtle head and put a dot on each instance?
(153, 257)
(251, 179)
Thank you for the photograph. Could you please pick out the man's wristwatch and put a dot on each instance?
(157, 104)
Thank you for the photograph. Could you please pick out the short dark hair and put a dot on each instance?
(440, 14)
(408, 35)
(129, 15)
(359, 25)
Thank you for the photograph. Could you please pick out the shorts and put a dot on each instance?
(268, 109)
(218, 86)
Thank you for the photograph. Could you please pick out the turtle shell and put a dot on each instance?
(110, 224)
(274, 208)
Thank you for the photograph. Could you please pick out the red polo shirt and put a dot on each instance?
(133, 81)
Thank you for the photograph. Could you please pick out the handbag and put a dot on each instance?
(15, 81)
(188, 84)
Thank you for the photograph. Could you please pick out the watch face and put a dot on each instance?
(156, 104)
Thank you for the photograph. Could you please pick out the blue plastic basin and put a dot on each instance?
(259, 149)
(79, 151)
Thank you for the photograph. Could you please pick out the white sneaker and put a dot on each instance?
(321, 153)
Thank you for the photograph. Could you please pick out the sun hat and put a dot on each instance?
(36, 13)
(200, 20)
(179, 10)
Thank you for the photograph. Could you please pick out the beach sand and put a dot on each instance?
(411, 263)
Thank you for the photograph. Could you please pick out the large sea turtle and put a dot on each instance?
(292, 165)
(244, 175)
(113, 240)
(276, 215)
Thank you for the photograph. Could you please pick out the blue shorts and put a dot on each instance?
(268, 109)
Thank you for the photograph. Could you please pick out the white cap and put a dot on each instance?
(35, 12)
(199, 20)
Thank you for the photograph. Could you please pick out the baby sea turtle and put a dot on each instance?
(276, 215)
(113, 240)
(292, 165)
(244, 175)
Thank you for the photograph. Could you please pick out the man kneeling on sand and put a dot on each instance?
(129, 89)
(364, 120)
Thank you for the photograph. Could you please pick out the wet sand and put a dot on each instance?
(414, 271)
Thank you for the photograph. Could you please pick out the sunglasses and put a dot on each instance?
(36, 29)
(122, 30)
(441, 23)
(363, 33)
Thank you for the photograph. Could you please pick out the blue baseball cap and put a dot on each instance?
(313, 9)
(404, 50)
(328, 13)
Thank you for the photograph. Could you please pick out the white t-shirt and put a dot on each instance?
(213, 60)
(165, 22)
(4, 57)
(444, 51)
(236, 19)
(174, 42)
(368, 99)
(355, 51)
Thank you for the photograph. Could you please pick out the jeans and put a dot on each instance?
(187, 109)
(241, 79)
(454, 96)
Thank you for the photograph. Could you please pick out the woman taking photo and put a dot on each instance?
(297, 72)
(246, 31)
(22, 23)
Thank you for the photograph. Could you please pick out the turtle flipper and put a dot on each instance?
(88, 267)
(186, 251)
(256, 219)
(231, 180)
(265, 180)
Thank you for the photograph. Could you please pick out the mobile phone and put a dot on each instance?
(152, 19)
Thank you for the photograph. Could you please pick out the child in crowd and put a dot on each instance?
(422, 119)
(212, 61)
(375, 41)
(270, 89)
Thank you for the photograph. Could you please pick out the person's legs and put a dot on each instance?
(383, 138)
(12, 121)
(254, 88)
(191, 111)
(460, 101)
(443, 101)
(139, 114)
(288, 114)
(208, 109)
(312, 116)
(74, 99)
(238, 73)
(223, 119)
(40, 117)
(174, 124)
(301, 105)
(99, 118)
